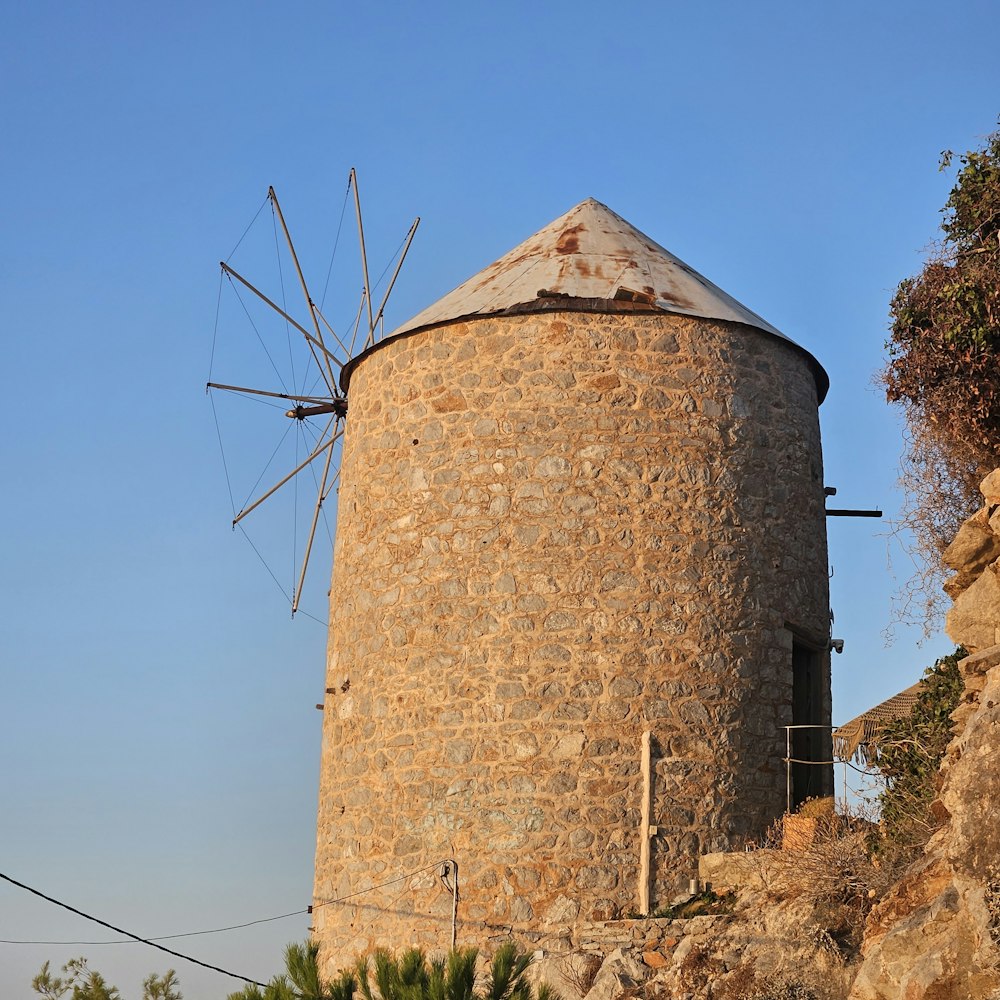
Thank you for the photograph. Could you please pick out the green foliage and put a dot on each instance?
(946, 320)
(49, 986)
(943, 369)
(165, 987)
(411, 977)
(971, 216)
(704, 904)
(408, 976)
(506, 979)
(279, 988)
(302, 966)
(910, 754)
(301, 980)
(83, 983)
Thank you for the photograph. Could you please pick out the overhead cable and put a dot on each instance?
(381, 885)
(171, 937)
(129, 934)
(132, 939)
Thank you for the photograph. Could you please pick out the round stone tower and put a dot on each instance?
(579, 590)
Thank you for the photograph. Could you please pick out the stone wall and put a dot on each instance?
(555, 533)
(764, 950)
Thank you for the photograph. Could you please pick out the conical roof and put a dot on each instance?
(587, 259)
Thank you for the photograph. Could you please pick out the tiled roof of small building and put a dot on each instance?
(859, 738)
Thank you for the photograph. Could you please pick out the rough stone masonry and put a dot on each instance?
(558, 531)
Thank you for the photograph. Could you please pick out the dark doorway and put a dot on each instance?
(812, 772)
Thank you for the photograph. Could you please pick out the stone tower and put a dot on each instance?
(582, 501)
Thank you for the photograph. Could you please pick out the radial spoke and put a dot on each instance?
(262, 392)
(267, 465)
(364, 254)
(357, 320)
(315, 392)
(395, 275)
(313, 342)
(302, 282)
(320, 497)
(274, 489)
(333, 333)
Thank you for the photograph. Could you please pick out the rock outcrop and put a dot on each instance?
(935, 934)
(974, 555)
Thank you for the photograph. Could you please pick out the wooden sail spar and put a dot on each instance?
(329, 353)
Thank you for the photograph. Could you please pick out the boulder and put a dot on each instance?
(655, 960)
(619, 975)
(925, 942)
(955, 584)
(973, 548)
(973, 619)
(724, 871)
(990, 488)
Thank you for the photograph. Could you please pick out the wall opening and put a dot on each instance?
(809, 708)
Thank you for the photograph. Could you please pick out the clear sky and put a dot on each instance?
(159, 741)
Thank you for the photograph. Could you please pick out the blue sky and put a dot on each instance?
(159, 741)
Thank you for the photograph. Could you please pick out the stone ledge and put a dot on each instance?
(726, 871)
(981, 662)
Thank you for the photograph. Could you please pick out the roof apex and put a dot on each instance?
(592, 253)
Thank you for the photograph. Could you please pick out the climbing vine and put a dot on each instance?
(910, 753)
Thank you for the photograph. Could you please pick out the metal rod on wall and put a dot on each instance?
(454, 905)
(788, 769)
(450, 867)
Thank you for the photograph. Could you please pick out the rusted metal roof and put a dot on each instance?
(589, 259)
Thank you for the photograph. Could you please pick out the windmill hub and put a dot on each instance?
(337, 405)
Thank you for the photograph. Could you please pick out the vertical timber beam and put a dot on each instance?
(646, 831)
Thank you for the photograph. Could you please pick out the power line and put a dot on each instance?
(129, 934)
(132, 938)
(171, 937)
(381, 885)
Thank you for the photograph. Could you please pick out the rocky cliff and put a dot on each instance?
(935, 933)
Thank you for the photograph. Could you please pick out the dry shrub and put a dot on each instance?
(818, 806)
(945, 331)
(580, 972)
(940, 490)
(738, 983)
(745, 984)
(697, 969)
(770, 989)
(834, 873)
(991, 897)
(942, 370)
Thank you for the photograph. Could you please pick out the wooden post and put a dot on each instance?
(646, 831)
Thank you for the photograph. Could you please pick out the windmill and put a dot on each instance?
(318, 400)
